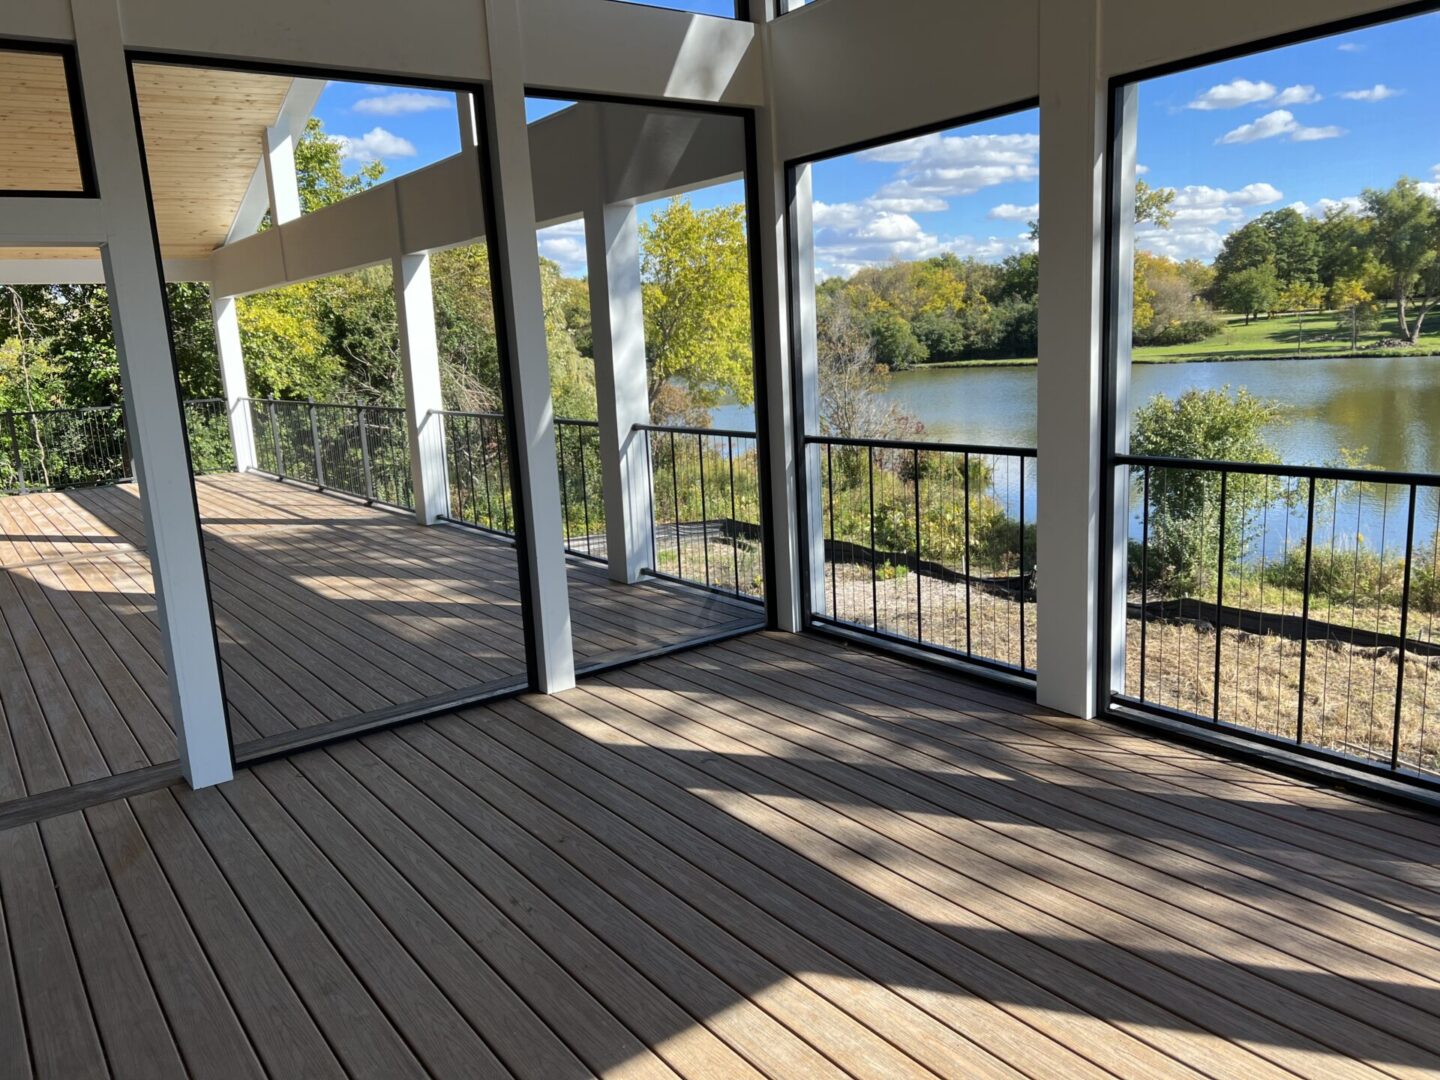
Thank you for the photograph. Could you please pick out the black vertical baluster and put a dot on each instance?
(650, 473)
(675, 494)
(365, 455)
(584, 488)
(485, 472)
(1404, 630)
(275, 437)
(315, 445)
(1145, 573)
(1219, 596)
(874, 585)
(1305, 611)
(564, 491)
(734, 520)
(15, 450)
(1021, 463)
(704, 514)
(965, 479)
(830, 494)
(919, 595)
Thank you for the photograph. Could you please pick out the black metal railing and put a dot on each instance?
(59, 448)
(582, 495)
(705, 507)
(928, 543)
(361, 450)
(207, 429)
(1293, 603)
(477, 461)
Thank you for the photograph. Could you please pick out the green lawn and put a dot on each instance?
(1266, 339)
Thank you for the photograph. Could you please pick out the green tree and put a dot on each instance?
(1355, 306)
(320, 171)
(696, 273)
(1210, 425)
(1298, 298)
(1249, 291)
(1405, 238)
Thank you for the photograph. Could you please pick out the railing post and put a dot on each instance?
(315, 442)
(1404, 632)
(365, 457)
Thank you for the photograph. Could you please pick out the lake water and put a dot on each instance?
(1388, 406)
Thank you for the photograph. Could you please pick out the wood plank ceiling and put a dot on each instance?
(203, 130)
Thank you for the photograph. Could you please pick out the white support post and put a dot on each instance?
(807, 360)
(1069, 415)
(280, 179)
(232, 377)
(785, 585)
(1123, 150)
(531, 412)
(420, 365)
(617, 318)
(152, 401)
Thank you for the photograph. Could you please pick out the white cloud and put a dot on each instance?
(921, 204)
(1277, 123)
(1203, 215)
(1141, 170)
(853, 235)
(1011, 212)
(1350, 46)
(1232, 95)
(565, 244)
(945, 166)
(401, 102)
(1297, 95)
(1378, 92)
(375, 145)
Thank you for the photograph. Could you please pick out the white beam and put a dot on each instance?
(1069, 417)
(232, 375)
(280, 181)
(88, 271)
(152, 401)
(530, 410)
(26, 222)
(292, 115)
(617, 319)
(420, 367)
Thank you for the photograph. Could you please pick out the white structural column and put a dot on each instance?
(1069, 416)
(617, 317)
(152, 401)
(807, 364)
(280, 179)
(232, 378)
(420, 365)
(531, 412)
(784, 584)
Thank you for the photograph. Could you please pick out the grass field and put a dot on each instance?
(1279, 338)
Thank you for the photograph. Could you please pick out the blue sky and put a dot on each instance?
(1304, 126)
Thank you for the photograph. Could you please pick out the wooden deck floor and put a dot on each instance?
(775, 856)
(326, 609)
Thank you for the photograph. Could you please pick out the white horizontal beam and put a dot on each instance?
(62, 222)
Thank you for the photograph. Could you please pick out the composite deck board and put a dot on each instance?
(326, 609)
(773, 856)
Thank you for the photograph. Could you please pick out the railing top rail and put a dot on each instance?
(302, 402)
(462, 412)
(680, 430)
(205, 401)
(572, 422)
(910, 444)
(53, 412)
(1318, 472)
